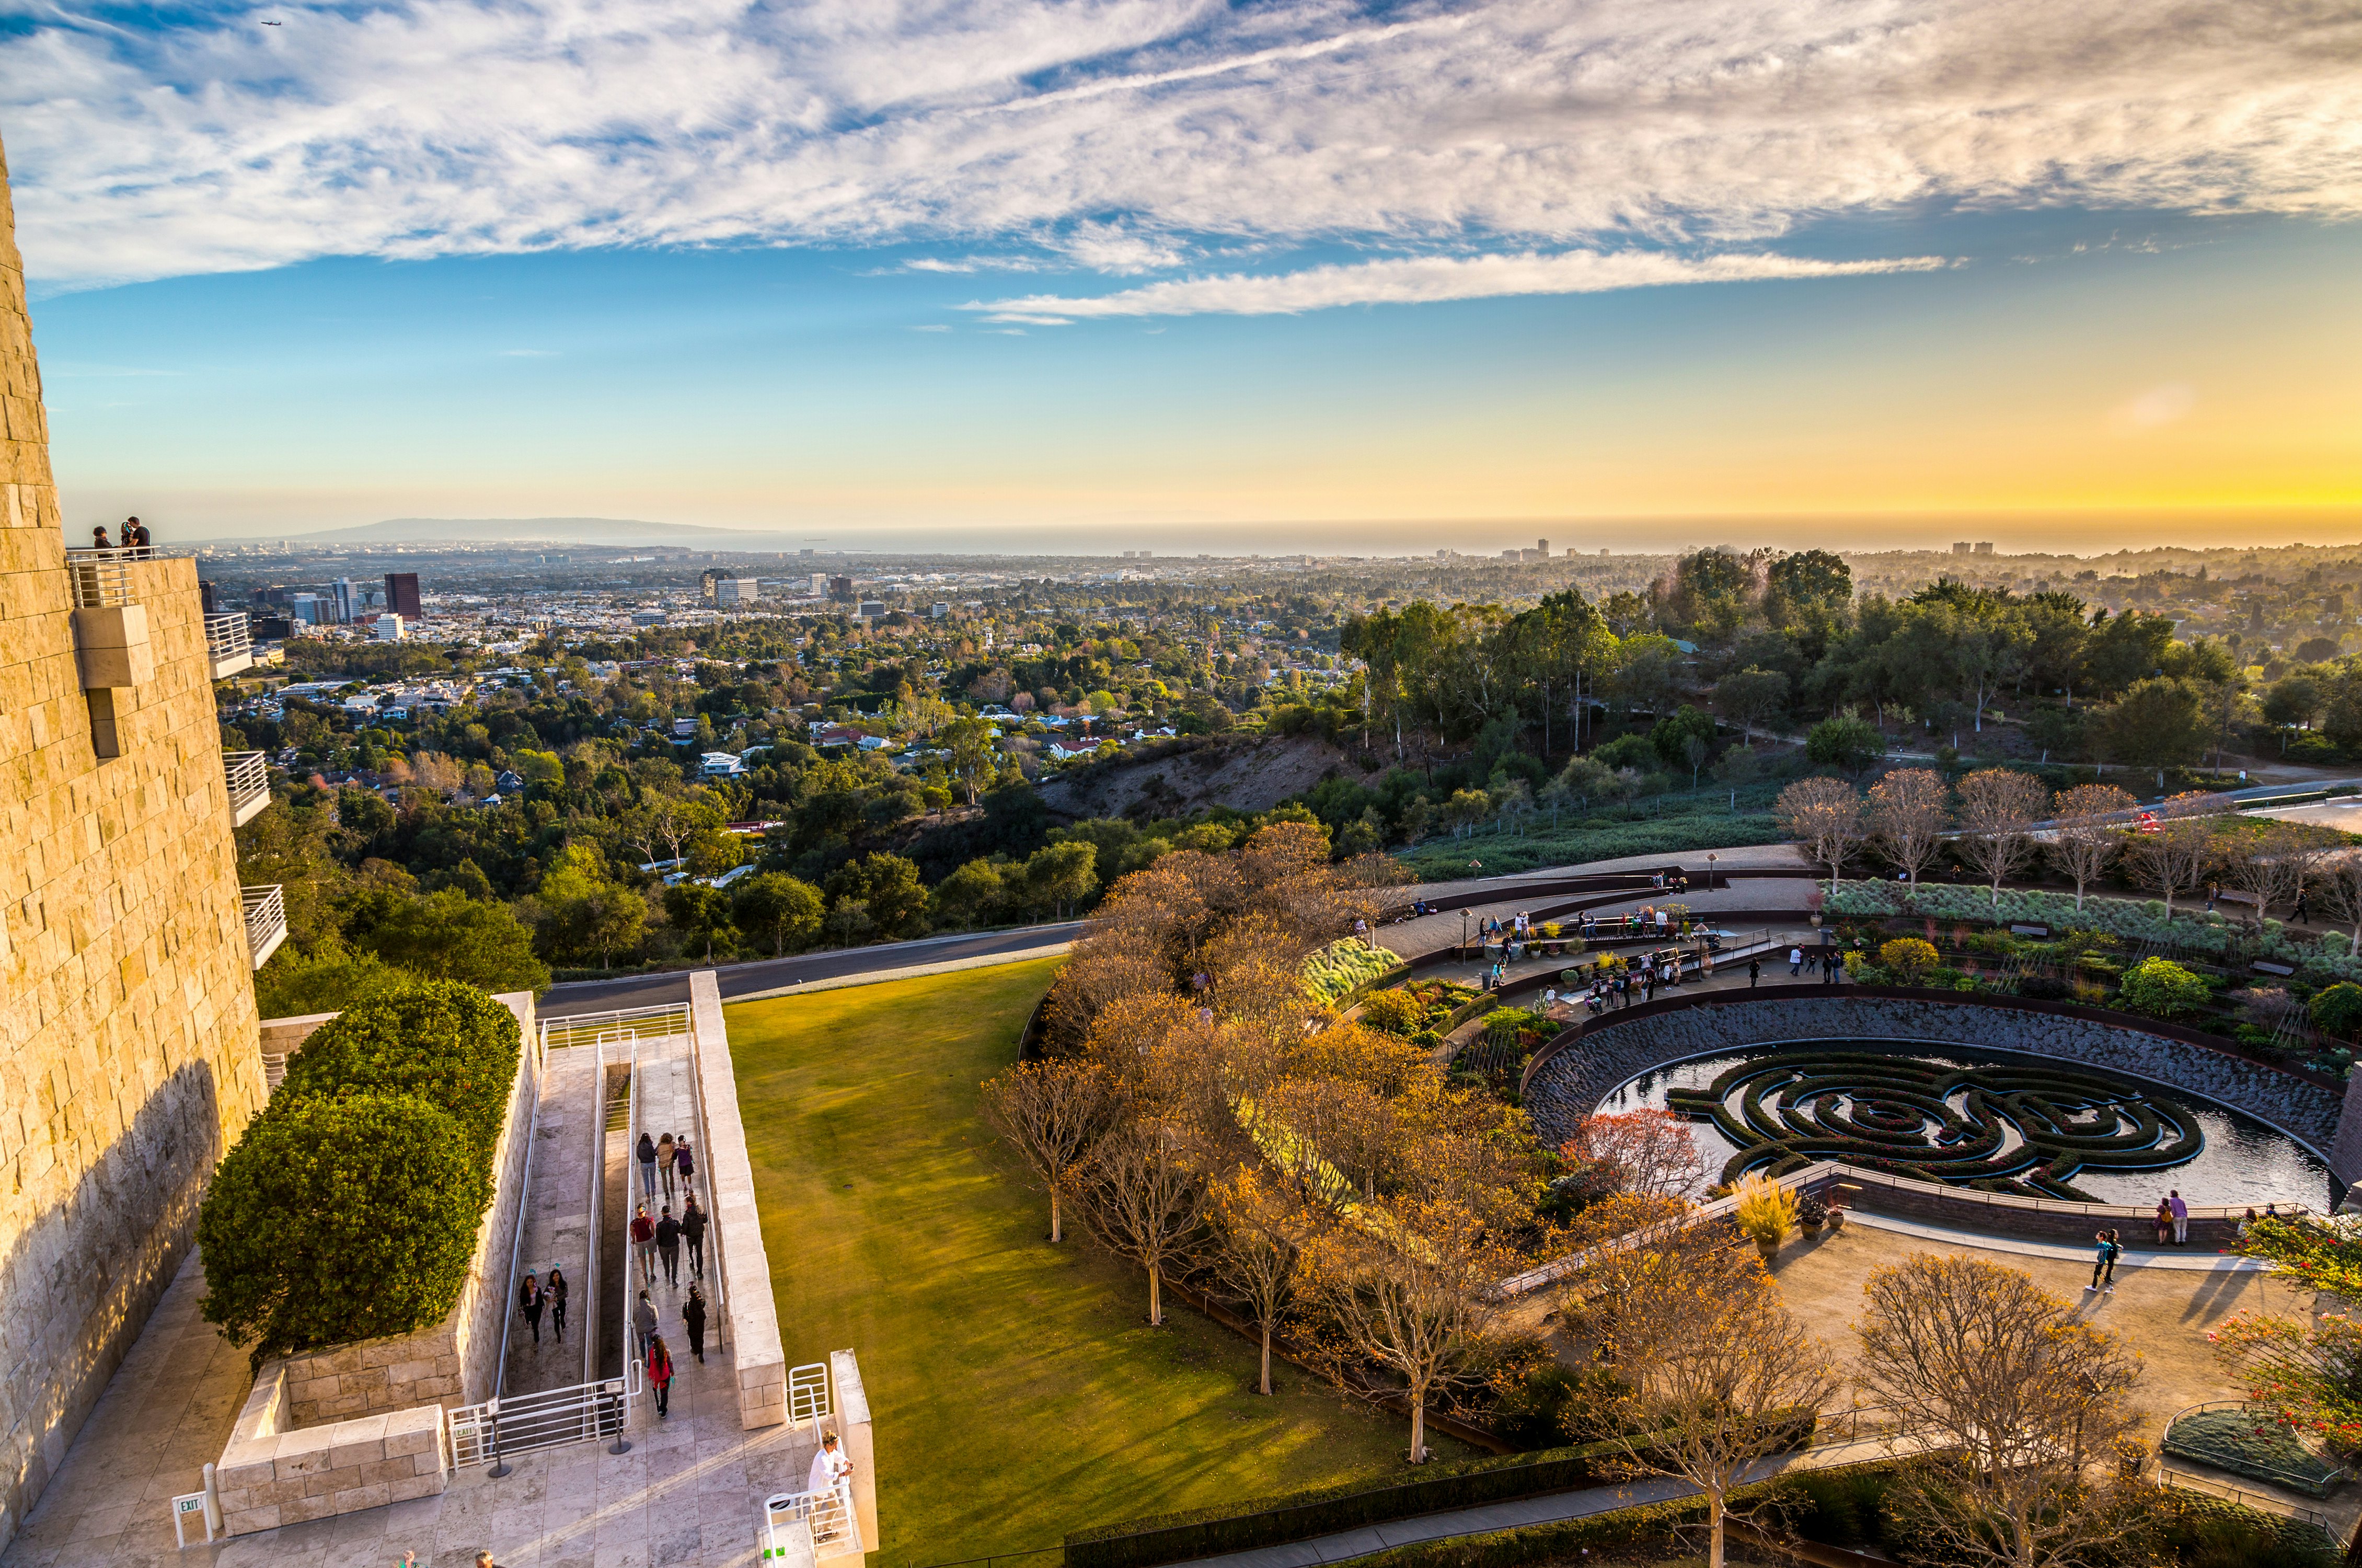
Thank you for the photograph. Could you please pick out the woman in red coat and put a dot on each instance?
(660, 1373)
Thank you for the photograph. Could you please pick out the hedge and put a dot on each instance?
(349, 1209)
(447, 1043)
(2135, 921)
(340, 1219)
(1274, 1521)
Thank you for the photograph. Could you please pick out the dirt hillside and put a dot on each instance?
(1247, 775)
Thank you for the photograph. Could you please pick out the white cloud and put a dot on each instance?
(1415, 280)
(1125, 136)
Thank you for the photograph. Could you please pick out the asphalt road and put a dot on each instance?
(770, 974)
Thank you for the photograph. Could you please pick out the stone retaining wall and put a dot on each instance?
(1568, 1084)
(742, 1265)
(272, 1475)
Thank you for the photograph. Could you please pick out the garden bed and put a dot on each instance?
(2245, 1441)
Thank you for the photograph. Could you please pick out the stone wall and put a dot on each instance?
(273, 1475)
(128, 1059)
(1567, 1085)
(457, 1361)
(740, 1263)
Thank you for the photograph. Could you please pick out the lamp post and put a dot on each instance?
(1709, 870)
(1463, 933)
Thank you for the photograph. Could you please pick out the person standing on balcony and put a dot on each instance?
(660, 1374)
(646, 1153)
(555, 1288)
(668, 1246)
(692, 1230)
(692, 1313)
(664, 1162)
(135, 536)
(98, 540)
(828, 1466)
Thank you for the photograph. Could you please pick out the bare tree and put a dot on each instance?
(1717, 1371)
(1410, 1287)
(2268, 863)
(1909, 809)
(1824, 817)
(2012, 1397)
(2171, 852)
(1144, 1202)
(1999, 807)
(1647, 1153)
(2339, 884)
(1258, 1245)
(2091, 819)
(1053, 1114)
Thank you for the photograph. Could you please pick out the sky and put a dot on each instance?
(1302, 274)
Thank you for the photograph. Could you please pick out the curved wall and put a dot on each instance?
(1575, 1071)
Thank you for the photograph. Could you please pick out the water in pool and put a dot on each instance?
(2042, 1127)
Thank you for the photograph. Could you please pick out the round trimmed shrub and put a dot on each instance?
(1393, 1013)
(1908, 958)
(444, 1041)
(2339, 1010)
(2164, 988)
(339, 1219)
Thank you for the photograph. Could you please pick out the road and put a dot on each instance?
(739, 980)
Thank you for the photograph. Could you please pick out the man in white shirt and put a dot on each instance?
(828, 1466)
(1796, 962)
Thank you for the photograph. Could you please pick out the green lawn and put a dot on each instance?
(1018, 1391)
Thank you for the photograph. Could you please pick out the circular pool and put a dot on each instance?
(1991, 1120)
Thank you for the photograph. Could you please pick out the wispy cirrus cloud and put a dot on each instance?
(1417, 280)
(1124, 136)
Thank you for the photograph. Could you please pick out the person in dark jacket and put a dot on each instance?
(692, 1230)
(692, 1313)
(646, 1154)
(668, 1246)
(644, 1236)
(530, 1299)
(554, 1288)
(684, 1165)
(644, 1319)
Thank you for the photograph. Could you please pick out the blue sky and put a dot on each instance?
(1141, 272)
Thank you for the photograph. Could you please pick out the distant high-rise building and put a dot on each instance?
(1542, 549)
(388, 628)
(734, 591)
(1984, 547)
(872, 610)
(1961, 547)
(205, 596)
(804, 552)
(344, 602)
(940, 610)
(819, 583)
(305, 609)
(705, 584)
(841, 589)
(402, 594)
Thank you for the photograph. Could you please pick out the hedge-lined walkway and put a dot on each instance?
(1016, 1390)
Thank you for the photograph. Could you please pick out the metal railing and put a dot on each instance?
(229, 640)
(828, 1516)
(266, 921)
(808, 1394)
(719, 1308)
(101, 579)
(2267, 1502)
(2193, 1453)
(247, 776)
(622, 1024)
(501, 1428)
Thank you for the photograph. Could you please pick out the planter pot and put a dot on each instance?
(1810, 1227)
(1769, 1249)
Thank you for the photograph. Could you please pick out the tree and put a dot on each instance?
(1412, 1289)
(1750, 696)
(584, 912)
(1824, 817)
(1053, 1114)
(2173, 858)
(713, 851)
(1715, 1372)
(324, 1190)
(780, 907)
(2269, 861)
(1259, 1242)
(972, 761)
(1999, 807)
(2158, 723)
(2164, 988)
(1144, 1202)
(446, 935)
(2091, 820)
(2339, 888)
(1647, 1153)
(1672, 736)
(890, 889)
(967, 893)
(2013, 1395)
(1060, 875)
(1844, 742)
(2306, 1371)
(1909, 809)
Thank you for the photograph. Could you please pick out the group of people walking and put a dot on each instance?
(656, 1355)
(668, 1160)
(537, 1295)
(659, 1241)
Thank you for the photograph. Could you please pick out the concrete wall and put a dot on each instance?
(741, 1264)
(457, 1361)
(273, 1475)
(1568, 1084)
(128, 1059)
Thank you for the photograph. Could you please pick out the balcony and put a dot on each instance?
(101, 579)
(110, 626)
(249, 785)
(229, 644)
(266, 921)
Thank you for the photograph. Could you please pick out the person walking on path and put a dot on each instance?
(660, 1375)
(646, 1154)
(668, 1246)
(664, 1163)
(685, 1164)
(555, 1288)
(644, 1319)
(644, 1236)
(2115, 1252)
(1754, 972)
(692, 1230)
(692, 1314)
(529, 1297)
(2102, 1262)
(1796, 962)
(2180, 1212)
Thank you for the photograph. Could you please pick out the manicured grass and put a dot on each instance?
(1574, 845)
(1017, 1388)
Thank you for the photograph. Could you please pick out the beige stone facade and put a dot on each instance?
(127, 1029)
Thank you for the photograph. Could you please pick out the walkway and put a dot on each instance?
(558, 1225)
(1520, 1512)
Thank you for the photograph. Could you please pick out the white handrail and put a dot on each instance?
(828, 1515)
(101, 579)
(229, 636)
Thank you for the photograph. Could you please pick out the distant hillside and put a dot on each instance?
(545, 530)
(1244, 773)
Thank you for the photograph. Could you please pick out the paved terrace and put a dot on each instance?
(688, 1491)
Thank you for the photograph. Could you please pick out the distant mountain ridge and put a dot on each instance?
(542, 531)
